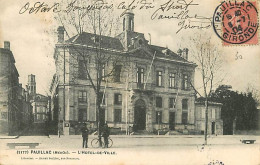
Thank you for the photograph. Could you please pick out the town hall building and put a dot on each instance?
(150, 91)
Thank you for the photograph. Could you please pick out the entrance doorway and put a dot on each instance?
(140, 115)
(172, 120)
(213, 128)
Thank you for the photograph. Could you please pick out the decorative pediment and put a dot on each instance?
(142, 52)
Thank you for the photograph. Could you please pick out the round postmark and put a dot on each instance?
(236, 22)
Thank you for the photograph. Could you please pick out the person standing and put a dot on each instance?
(85, 132)
(105, 134)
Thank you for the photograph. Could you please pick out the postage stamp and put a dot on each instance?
(236, 22)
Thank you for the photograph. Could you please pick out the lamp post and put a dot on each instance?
(59, 124)
(159, 123)
(128, 117)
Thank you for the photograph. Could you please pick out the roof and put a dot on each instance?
(209, 103)
(171, 55)
(91, 39)
(149, 53)
(7, 52)
(201, 100)
(40, 98)
(114, 43)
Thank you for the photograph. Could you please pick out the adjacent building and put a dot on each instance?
(215, 123)
(40, 108)
(39, 102)
(25, 109)
(19, 107)
(151, 91)
(9, 80)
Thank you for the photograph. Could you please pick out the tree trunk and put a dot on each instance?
(206, 121)
(100, 116)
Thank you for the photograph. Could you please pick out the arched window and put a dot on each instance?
(131, 24)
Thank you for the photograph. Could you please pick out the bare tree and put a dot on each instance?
(208, 58)
(99, 21)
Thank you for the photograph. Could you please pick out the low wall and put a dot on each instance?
(247, 132)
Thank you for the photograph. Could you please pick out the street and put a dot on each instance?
(135, 150)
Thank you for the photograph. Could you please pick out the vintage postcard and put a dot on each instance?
(129, 82)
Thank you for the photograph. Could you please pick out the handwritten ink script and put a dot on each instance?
(39, 7)
(171, 10)
(238, 56)
(179, 10)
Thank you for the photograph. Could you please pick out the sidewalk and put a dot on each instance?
(160, 136)
(131, 136)
(11, 137)
(141, 136)
(8, 137)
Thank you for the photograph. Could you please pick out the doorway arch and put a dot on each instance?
(140, 115)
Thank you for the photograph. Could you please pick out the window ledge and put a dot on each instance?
(159, 86)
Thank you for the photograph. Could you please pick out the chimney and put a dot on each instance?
(185, 53)
(7, 45)
(166, 52)
(179, 52)
(60, 34)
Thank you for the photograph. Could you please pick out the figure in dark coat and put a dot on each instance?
(105, 134)
(85, 132)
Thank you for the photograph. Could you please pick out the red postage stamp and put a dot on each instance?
(236, 22)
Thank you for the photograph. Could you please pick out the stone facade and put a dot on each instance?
(39, 102)
(40, 108)
(151, 91)
(9, 80)
(15, 108)
(215, 123)
(25, 109)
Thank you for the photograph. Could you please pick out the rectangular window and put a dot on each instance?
(39, 109)
(159, 102)
(82, 72)
(213, 114)
(171, 102)
(184, 117)
(82, 115)
(185, 104)
(117, 73)
(42, 109)
(158, 117)
(159, 78)
(82, 96)
(140, 76)
(118, 99)
(3, 115)
(38, 117)
(172, 80)
(185, 82)
(118, 115)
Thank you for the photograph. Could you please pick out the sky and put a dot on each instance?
(33, 40)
